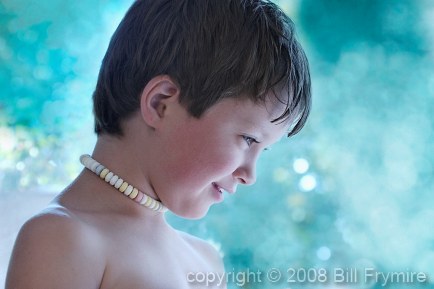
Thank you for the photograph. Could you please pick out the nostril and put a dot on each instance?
(245, 175)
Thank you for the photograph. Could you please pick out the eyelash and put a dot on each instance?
(249, 140)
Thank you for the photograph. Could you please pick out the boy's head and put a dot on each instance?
(212, 49)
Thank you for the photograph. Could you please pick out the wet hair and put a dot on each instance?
(212, 49)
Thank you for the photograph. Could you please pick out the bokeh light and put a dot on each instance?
(355, 189)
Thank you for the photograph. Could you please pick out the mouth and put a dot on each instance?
(221, 189)
(218, 188)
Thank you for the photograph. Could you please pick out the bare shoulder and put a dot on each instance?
(206, 249)
(54, 248)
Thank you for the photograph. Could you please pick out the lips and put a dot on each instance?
(221, 189)
(218, 188)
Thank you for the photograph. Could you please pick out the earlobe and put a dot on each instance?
(160, 92)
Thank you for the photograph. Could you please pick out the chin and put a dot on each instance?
(197, 213)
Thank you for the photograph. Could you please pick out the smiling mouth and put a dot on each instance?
(218, 188)
(222, 190)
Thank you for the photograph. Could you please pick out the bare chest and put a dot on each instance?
(153, 264)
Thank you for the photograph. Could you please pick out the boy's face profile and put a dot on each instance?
(197, 159)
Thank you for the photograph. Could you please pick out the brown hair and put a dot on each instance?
(213, 49)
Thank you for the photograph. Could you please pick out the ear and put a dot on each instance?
(156, 96)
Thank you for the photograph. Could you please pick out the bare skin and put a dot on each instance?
(92, 236)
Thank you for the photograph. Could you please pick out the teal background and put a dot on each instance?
(355, 189)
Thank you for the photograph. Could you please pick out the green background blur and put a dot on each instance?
(355, 189)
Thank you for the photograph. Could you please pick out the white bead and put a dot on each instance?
(152, 205)
(145, 198)
(119, 183)
(88, 161)
(83, 158)
(94, 165)
(128, 190)
(113, 180)
(99, 169)
(108, 177)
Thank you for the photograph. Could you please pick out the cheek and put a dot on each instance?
(197, 164)
(201, 165)
(197, 156)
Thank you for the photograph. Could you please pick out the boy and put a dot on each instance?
(189, 94)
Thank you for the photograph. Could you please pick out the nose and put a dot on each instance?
(246, 174)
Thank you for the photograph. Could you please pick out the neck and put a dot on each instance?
(121, 156)
(121, 184)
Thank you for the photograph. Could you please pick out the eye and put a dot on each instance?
(249, 140)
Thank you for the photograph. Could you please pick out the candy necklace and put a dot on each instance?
(121, 185)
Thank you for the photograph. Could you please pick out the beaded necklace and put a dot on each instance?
(121, 185)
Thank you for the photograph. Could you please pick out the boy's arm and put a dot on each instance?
(54, 251)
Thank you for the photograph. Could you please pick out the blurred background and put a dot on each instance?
(355, 189)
